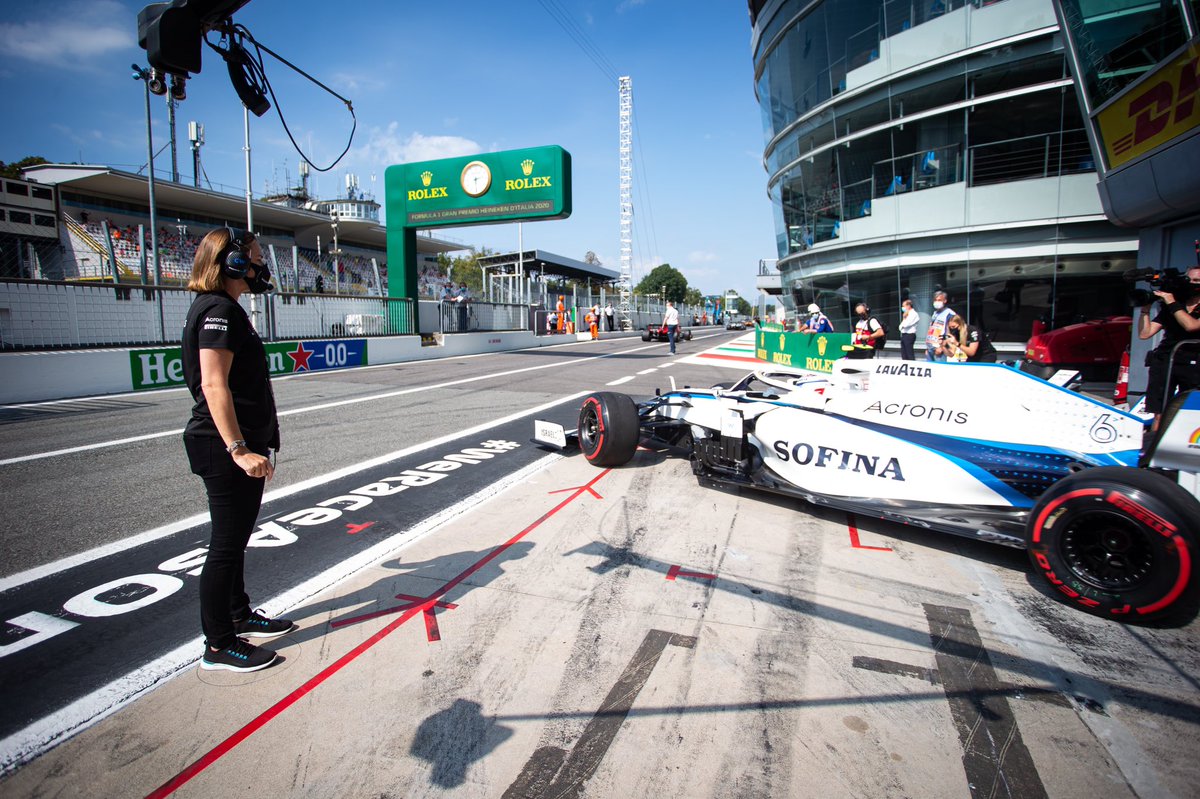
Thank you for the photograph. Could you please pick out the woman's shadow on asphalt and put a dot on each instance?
(412, 584)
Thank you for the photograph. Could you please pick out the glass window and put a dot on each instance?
(20, 217)
(17, 188)
(1015, 138)
(1117, 41)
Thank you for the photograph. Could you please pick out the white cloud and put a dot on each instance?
(389, 146)
(702, 257)
(71, 35)
(358, 81)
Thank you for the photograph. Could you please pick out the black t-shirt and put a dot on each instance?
(985, 353)
(1173, 332)
(215, 321)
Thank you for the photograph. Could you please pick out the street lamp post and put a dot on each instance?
(148, 77)
(336, 253)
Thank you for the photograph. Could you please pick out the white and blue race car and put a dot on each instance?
(980, 450)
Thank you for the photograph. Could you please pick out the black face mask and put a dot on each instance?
(261, 282)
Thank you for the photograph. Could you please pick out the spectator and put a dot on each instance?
(934, 338)
(967, 343)
(609, 317)
(909, 319)
(671, 323)
(817, 322)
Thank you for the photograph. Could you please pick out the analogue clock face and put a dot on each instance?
(476, 178)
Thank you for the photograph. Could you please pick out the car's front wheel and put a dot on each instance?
(609, 428)
(1118, 542)
(646, 336)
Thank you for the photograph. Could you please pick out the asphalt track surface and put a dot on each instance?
(481, 618)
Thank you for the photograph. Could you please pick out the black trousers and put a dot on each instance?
(1185, 374)
(233, 502)
(907, 346)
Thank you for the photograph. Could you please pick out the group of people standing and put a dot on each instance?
(947, 339)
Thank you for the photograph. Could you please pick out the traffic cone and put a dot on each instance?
(1121, 390)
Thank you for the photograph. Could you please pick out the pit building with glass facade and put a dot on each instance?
(933, 144)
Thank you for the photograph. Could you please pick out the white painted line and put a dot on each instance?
(51, 730)
(620, 380)
(308, 409)
(49, 569)
(648, 371)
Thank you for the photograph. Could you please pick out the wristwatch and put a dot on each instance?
(235, 446)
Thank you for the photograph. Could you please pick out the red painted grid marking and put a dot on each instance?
(431, 627)
(352, 529)
(854, 543)
(677, 571)
(257, 723)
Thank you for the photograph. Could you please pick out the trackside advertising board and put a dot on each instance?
(163, 367)
(814, 352)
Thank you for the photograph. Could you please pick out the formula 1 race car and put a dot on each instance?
(658, 332)
(979, 450)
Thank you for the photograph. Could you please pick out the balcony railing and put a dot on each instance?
(1041, 156)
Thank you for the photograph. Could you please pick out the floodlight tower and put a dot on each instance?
(625, 114)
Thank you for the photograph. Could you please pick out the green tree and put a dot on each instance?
(13, 170)
(664, 278)
(465, 269)
(694, 298)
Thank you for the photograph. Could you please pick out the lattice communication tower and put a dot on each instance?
(625, 111)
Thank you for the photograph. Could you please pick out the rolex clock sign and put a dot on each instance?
(509, 186)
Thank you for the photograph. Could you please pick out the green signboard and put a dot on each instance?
(813, 352)
(534, 183)
(509, 186)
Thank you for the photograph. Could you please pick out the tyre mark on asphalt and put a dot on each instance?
(553, 772)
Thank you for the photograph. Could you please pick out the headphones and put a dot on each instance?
(235, 258)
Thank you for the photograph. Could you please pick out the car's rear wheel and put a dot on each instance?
(687, 335)
(646, 336)
(1118, 542)
(609, 428)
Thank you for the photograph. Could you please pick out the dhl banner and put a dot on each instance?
(814, 352)
(1163, 106)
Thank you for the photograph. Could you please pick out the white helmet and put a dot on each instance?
(814, 308)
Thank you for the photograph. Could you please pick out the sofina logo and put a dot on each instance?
(426, 178)
(527, 166)
(822, 345)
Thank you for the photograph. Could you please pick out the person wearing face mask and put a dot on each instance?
(966, 343)
(909, 319)
(1179, 320)
(934, 338)
(228, 440)
(817, 322)
(868, 332)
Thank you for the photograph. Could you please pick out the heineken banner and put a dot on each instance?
(163, 367)
(813, 352)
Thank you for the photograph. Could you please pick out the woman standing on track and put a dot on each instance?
(229, 440)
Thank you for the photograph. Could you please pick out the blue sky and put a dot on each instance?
(432, 80)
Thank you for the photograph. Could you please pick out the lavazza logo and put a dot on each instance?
(148, 588)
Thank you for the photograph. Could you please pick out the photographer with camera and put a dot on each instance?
(1179, 320)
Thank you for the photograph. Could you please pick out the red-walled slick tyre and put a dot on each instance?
(1118, 542)
(609, 428)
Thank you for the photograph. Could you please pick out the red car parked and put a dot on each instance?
(1093, 348)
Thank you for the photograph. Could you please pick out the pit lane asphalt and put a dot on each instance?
(627, 632)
